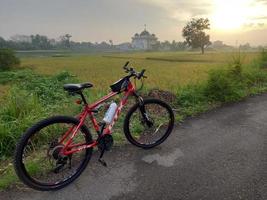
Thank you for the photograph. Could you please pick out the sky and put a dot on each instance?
(232, 21)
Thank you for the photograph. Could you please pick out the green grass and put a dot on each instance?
(8, 176)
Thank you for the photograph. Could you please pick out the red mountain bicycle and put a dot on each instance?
(55, 151)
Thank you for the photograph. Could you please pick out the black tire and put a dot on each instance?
(136, 109)
(25, 140)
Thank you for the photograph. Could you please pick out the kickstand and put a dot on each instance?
(103, 148)
(100, 158)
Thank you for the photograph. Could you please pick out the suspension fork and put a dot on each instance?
(142, 109)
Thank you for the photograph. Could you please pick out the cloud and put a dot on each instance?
(254, 37)
(182, 10)
(262, 1)
(259, 18)
(248, 25)
(253, 25)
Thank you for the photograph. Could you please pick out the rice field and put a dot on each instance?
(165, 70)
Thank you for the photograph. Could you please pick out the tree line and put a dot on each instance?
(36, 42)
(42, 42)
(194, 33)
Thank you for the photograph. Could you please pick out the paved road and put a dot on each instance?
(218, 155)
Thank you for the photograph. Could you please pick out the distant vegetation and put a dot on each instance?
(64, 43)
(41, 42)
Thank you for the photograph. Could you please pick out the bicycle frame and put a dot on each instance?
(88, 111)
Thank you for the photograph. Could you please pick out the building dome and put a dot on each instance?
(144, 40)
(144, 33)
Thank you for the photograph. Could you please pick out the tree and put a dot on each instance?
(178, 46)
(245, 46)
(3, 43)
(166, 45)
(194, 33)
(40, 42)
(20, 38)
(111, 42)
(65, 40)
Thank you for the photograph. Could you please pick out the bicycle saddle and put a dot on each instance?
(77, 87)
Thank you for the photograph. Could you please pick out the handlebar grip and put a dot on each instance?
(126, 64)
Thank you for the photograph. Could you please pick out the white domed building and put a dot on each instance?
(144, 40)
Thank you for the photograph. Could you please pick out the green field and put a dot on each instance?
(165, 70)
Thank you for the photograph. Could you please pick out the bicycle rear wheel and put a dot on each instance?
(38, 162)
(150, 126)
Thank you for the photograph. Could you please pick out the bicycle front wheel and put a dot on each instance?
(150, 125)
(38, 161)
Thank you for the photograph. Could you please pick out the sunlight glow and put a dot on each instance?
(229, 14)
(232, 14)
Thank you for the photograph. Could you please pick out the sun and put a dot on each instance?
(230, 14)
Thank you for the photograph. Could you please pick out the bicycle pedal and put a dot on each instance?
(102, 162)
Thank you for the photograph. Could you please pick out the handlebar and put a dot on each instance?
(134, 73)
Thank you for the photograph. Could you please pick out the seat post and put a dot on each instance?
(83, 98)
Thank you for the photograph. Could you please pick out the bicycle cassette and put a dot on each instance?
(105, 142)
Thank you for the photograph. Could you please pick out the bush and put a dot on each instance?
(8, 59)
(49, 89)
(224, 86)
(16, 76)
(254, 76)
(191, 99)
(263, 58)
(236, 64)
